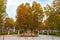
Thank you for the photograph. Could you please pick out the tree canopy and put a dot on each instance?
(29, 16)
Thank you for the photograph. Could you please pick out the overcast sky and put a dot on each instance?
(12, 5)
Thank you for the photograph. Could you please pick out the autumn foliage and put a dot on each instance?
(28, 16)
(9, 23)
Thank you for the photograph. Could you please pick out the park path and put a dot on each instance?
(40, 37)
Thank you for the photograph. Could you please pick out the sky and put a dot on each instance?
(13, 4)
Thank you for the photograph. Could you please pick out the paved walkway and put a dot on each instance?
(41, 37)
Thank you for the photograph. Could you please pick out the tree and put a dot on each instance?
(56, 5)
(37, 11)
(22, 12)
(2, 13)
(53, 22)
(53, 18)
(9, 23)
(48, 10)
(27, 16)
(57, 21)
